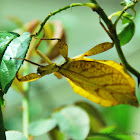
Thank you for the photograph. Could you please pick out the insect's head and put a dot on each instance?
(43, 70)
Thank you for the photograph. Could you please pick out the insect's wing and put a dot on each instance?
(104, 82)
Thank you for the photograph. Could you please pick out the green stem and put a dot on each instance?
(25, 104)
(125, 8)
(91, 5)
(2, 129)
(112, 30)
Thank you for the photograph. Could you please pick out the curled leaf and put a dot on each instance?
(103, 82)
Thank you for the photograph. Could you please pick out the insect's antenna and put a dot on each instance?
(49, 39)
(28, 61)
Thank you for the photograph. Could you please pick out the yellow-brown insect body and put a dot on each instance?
(48, 69)
(104, 82)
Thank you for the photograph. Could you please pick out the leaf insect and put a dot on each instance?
(104, 82)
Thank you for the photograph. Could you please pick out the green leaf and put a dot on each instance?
(5, 39)
(127, 18)
(96, 120)
(41, 127)
(126, 33)
(9, 66)
(15, 135)
(73, 121)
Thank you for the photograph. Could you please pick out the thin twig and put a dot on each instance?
(91, 5)
(112, 30)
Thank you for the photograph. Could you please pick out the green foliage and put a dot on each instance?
(17, 48)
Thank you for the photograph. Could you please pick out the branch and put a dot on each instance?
(2, 129)
(112, 30)
(91, 5)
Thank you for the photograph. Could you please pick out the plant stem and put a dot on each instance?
(125, 8)
(91, 5)
(2, 129)
(25, 104)
(112, 30)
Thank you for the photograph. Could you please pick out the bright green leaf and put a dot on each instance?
(126, 33)
(41, 127)
(73, 121)
(127, 18)
(15, 135)
(9, 66)
(5, 39)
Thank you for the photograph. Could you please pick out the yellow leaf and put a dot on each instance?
(99, 49)
(103, 82)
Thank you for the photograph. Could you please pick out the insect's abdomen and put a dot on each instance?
(99, 81)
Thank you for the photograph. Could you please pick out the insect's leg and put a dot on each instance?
(62, 47)
(100, 47)
(105, 28)
(28, 78)
(46, 59)
(29, 61)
